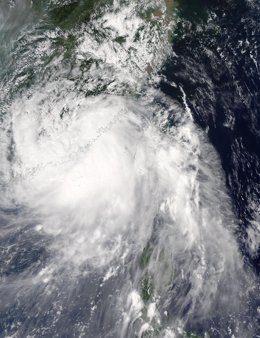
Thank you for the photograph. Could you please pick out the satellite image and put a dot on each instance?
(129, 169)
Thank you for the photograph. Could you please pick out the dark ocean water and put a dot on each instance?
(216, 63)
